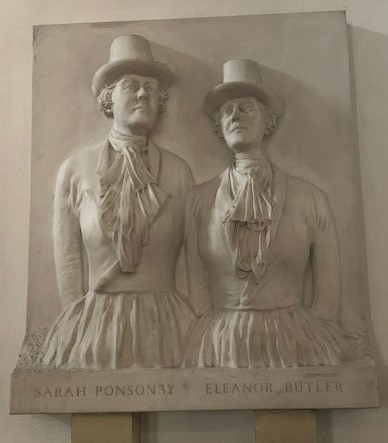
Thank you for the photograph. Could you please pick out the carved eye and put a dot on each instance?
(226, 112)
(245, 107)
(150, 88)
(131, 86)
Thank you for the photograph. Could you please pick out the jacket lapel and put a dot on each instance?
(279, 191)
(224, 196)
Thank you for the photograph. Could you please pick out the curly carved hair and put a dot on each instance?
(270, 116)
(105, 103)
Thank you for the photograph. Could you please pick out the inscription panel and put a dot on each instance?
(150, 390)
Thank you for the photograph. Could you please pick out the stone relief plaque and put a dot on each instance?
(148, 292)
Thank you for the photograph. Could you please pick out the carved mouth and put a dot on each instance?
(141, 107)
(237, 128)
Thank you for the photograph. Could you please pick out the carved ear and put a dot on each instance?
(270, 129)
(217, 128)
(163, 97)
(272, 121)
(108, 110)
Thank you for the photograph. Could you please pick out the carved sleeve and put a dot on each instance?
(67, 237)
(325, 261)
(197, 276)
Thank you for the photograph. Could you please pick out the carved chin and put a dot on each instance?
(236, 138)
(141, 120)
(141, 114)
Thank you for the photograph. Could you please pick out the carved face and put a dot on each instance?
(243, 123)
(135, 104)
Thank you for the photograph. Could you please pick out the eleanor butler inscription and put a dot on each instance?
(170, 389)
(266, 388)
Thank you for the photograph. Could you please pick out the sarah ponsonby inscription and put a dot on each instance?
(103, 390)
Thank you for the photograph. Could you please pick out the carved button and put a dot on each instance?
(245, 300)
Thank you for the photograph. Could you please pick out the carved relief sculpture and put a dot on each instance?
(266, 308)
(120, 202)
(254, 236)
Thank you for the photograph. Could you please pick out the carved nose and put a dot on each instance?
(236, 114)
(142, 93)
(236, 117)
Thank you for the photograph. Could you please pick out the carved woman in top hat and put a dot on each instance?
(254, 234)
(123, 202)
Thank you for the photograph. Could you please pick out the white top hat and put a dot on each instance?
(242, 79)
(131, 54)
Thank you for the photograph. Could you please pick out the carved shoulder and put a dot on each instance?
(85, 160)
(202, 196)
(312, 201)
(177, 170)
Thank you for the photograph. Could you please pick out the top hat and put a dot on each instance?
(242, 79)
(131, 54)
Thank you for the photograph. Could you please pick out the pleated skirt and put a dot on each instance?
(116, 331)
(288, 337)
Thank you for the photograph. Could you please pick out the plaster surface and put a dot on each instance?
(368, 35)
(315, 141)
(340, 386)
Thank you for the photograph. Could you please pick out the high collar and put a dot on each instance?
(119, 141)
(251, 165)
(255, 159)
(224, 196)
(152, 152)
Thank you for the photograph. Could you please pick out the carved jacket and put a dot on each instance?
(85, 257)
(301, 263)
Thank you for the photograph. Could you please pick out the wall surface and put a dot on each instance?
(368, 34)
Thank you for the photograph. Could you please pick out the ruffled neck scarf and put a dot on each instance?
(250, 214)
(130, 199)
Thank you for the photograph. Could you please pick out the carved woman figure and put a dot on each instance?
(123, 203)
(254, 234)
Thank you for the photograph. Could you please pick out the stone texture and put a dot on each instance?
(342, 386)
(314, 142)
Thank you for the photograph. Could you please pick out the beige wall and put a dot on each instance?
(368, 31)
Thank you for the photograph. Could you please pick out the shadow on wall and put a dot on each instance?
(369, 51)
(368, 61)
